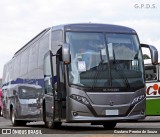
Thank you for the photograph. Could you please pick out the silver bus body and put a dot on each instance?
(112, 89)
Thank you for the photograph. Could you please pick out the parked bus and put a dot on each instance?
(152, 75)
(91, 73)
(1, 104)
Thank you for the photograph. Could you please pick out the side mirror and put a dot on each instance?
(153, 51)
(66, 53)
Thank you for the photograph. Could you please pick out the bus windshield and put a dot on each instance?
(105, 60)
(29, 93)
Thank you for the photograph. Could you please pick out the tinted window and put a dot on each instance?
(90, 63)
(24, 62)
(17, 65)
(56, 39)
(33, 56)
(150, 73)
(29, 93)
(43, 48)
(5, 71)
(47, 75)
(11, 70)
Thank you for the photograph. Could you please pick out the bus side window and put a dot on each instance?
(150, 73)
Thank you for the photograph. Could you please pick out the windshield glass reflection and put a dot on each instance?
(110, 60)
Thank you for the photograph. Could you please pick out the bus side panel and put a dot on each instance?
(152, 106)
(153, 99)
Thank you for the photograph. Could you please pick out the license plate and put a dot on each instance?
(112, 112)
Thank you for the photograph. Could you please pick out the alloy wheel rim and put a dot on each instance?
(13, 117)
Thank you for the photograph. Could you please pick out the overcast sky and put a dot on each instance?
(21, 20)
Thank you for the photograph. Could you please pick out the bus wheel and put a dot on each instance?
(1, 114)
(53, 125)
(109, 125)
(13, 121)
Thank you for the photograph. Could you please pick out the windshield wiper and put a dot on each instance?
(99, 68)
(120, 68)
(122, 74)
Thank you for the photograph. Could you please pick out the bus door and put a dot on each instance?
(49, 89)
(60, 99)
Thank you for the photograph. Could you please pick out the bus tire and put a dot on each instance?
(109, 125)
(13, 117)
(53, 125)
(1, 113)
(44, 112)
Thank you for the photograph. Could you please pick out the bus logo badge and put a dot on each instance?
(111, 103)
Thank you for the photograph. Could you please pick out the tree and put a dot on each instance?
(145, 56)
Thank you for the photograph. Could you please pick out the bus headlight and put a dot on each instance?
(137, 99)
(80, 99)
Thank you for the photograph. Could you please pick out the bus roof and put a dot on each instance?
(95, 27)
(32, 40)
(88, 27)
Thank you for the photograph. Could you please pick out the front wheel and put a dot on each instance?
(109, 125)
(16, 122)
(1, 113)
(13, 118)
